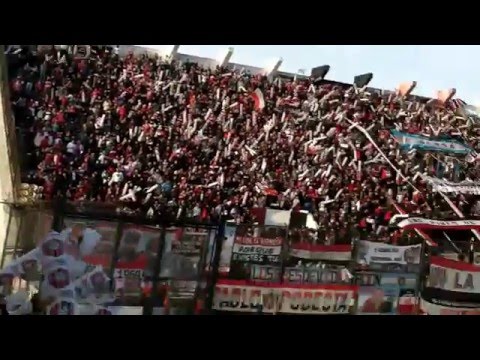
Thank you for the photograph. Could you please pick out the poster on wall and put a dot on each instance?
(99, 252)
(137, 254)
(384, 293)
(182, 252)
(238, 296)
(261, 245)
(385, 257)
(183, 258)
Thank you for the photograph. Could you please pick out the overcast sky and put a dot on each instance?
(434, 68)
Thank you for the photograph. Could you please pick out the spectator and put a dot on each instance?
(171, 139)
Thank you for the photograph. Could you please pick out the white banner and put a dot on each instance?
(436, 309)
(370, 253)
(453, 275)
(256, 249)
(463, 187)
(428, 224)
(287, 299)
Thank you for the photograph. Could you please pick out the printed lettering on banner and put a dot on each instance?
(447, 275)
(265, 273)
(386, 257)
(261, 245)
(463, 187)
(304, 275)
(429, 224)
(308, 300)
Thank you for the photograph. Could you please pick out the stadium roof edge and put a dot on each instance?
(204, 61)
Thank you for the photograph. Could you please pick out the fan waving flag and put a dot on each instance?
(258, 98)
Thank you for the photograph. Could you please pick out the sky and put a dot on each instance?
(433, 67)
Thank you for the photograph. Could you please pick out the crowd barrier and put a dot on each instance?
(199, 268)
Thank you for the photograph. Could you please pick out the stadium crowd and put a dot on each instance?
(158, 136)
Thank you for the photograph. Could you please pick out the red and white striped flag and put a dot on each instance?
(419, 232)
(258, 98)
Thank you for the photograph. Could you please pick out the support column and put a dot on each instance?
(9, 165)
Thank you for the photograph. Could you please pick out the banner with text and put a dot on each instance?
(453, 275)
(445, 186)
(385, 257)
(265, 273)
(314, 275)
(410, 141)
(429, 224)
(237, 296)
(261, 245)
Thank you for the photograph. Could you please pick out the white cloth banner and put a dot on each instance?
(237, 296)
(429, 224)
(379, 253)
(463, 187)
(257, 249)
(453, 275)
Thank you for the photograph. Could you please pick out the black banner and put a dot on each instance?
(260, 245)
